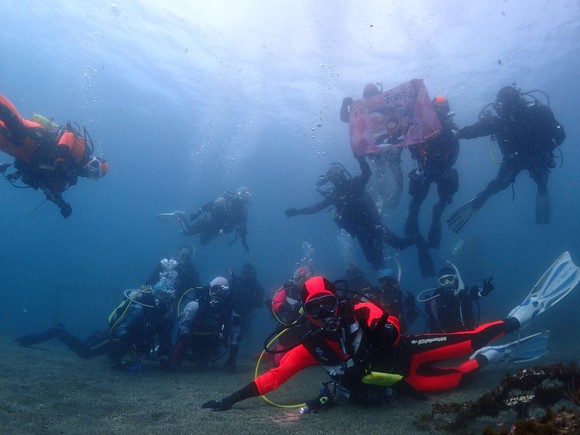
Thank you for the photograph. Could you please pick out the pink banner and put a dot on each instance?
(399, 117)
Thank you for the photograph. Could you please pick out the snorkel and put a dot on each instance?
(460, 284)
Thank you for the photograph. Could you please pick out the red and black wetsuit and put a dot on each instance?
(422, 354)
(344, 355)
(415, 357)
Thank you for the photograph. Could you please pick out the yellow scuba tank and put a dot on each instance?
(44, 121)
(381, 379)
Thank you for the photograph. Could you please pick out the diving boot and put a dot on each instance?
(523, 350)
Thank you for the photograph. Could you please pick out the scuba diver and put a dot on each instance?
(387, 163)
(449, 307)
(176, 277)
(356, 213)
(134, 328)
(435, 159)
(207, 324)
(527, 134)
(389, 296)
(185, 274)
(226, 213)
(363, 352)
(47, 156)
(355, 278)
(287, 310)
(247, 295)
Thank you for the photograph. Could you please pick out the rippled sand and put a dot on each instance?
(47, 389)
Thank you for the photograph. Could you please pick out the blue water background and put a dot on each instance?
(188, 98)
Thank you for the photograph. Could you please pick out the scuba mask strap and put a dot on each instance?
(89, 146)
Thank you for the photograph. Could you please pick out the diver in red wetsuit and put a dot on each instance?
(360, 346)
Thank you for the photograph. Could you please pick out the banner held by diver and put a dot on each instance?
(398, 117)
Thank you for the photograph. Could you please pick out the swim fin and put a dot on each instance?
(522, 350)
(36, 338)
(176, 215)
(425, 261)
(434, 236)
(559, 280)
(543, 208)
(3, 167)
(461, 216)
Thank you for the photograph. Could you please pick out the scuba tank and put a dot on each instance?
(45, 122)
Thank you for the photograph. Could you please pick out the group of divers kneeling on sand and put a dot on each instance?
(367, 358)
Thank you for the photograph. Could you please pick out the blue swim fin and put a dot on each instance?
(460, 217)
(525, 349)
(555, 284)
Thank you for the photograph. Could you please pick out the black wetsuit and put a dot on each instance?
(133, 328)
(356, 213)
(450, 312)
(435, 160)
(187, 278)
(527, 138)
(221, 216)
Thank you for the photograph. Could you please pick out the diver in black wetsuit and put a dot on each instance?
(133, 328)
(356, 213)
(527, 133)
(225, 214)
(435, 159)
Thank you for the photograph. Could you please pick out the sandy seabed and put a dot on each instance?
(48, 390)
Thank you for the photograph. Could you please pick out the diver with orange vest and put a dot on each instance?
(46, 156)
(360, 346)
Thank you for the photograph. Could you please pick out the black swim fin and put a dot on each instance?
(460, 217)
(39, 337)
(542, 208)
(425, 261)
(434, 237)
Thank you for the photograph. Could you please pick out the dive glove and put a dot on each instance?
(487, 287)
(250, 390)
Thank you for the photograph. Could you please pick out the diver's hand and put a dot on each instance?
(179, 215)
(345, 109)
(346, 103)
(250, 390)
(65, 210)
(291, 212)
(218, 405)
(488, 287)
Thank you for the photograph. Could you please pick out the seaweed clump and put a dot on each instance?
(538, 387)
